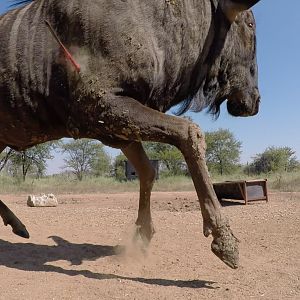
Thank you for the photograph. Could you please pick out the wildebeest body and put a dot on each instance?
(138, 59)
(116, 40)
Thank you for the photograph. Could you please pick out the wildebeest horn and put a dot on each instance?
(231, 8)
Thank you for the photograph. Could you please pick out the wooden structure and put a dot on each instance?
(131, 173)
(250, 190)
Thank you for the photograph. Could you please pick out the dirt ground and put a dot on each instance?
(83, 249)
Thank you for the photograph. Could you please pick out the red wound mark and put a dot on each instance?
(65, 50)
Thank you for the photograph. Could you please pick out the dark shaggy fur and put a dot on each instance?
(159, 53)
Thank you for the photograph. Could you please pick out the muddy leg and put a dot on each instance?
(137, 156)
(127, 119)
(225, 244)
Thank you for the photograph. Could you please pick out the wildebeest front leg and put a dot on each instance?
(126, 119)
(225, 244)
(137, 156)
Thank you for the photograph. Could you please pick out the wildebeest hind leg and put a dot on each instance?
(137, 156)
(9, 218)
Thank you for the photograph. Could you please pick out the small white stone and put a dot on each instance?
(48, 200)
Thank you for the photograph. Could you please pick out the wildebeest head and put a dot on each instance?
(233, 74)
(238, 68)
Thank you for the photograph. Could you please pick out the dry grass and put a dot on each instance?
(286, 182)
(62, 184)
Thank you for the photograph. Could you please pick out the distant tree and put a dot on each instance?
(32, 160)
(119, 167)
(84, 156)
(274, 159)
(169, 156)
(101, 165)
(222, 151)
(4, 157)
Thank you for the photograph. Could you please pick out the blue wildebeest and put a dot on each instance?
(138, 59)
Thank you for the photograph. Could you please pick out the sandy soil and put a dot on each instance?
(76, 250)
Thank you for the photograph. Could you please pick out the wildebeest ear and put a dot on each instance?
(232, 8)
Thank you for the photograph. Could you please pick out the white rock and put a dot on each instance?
(42, 201)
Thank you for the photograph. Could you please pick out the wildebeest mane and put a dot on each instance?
(200, 91)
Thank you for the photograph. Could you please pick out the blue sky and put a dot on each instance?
(278, 52)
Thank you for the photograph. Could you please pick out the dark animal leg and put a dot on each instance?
(10, 218)
(127, 119)
(137, 156)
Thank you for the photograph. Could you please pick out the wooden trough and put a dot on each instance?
(131, 173)
(246, 190)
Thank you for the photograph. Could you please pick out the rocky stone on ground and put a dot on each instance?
(42, 200)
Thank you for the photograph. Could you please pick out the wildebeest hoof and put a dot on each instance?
(225, 246)
(145, 233)
(9, 218)
(22, 232)
(207, 230)
(18, 228)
